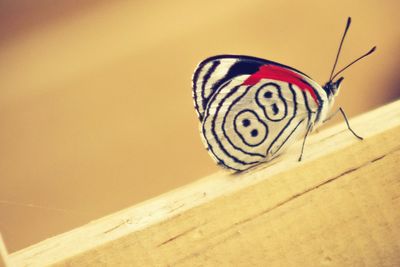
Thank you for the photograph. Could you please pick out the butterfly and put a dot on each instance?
(252, 109)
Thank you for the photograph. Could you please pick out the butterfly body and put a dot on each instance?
(251, 109)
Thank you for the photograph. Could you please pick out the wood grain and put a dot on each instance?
(338, 207)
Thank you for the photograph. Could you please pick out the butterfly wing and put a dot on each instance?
(250, 118)
(213, 72)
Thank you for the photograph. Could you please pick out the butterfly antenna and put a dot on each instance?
(363, 56)
(340, 46)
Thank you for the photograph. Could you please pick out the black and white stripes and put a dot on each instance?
(242, 125)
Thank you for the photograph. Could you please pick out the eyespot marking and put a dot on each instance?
(251, 136)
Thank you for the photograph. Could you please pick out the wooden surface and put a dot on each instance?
(339, 207)
(3, 253)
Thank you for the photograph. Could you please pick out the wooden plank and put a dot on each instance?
(338, 207)
(3, 253)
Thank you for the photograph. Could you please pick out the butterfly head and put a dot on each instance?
(332, 87)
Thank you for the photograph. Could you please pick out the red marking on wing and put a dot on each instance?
(281, 74)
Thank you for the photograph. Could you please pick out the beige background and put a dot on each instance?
(95, 101)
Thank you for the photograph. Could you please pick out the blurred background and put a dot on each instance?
(96, 111)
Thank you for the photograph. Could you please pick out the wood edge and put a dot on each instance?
(3, 253)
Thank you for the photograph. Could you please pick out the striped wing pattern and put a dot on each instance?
(211, 74)
(244, 123)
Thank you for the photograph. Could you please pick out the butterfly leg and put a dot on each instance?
(348, 125)
(345, 119)
(304, 140)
